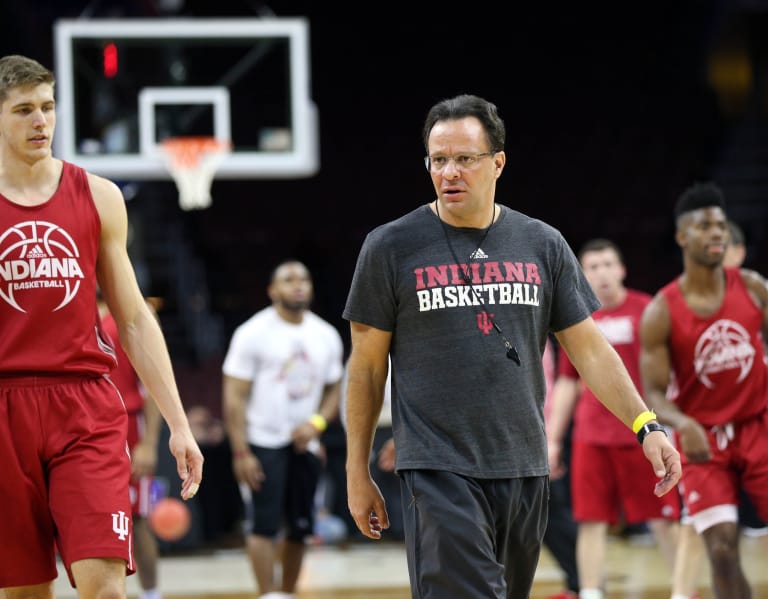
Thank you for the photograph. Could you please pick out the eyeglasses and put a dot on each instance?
(463, 162)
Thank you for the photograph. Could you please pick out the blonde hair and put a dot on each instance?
(17, 70)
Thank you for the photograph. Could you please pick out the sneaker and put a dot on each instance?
(564, 595)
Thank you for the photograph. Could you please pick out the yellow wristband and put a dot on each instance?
(319, 422)
(642, 419)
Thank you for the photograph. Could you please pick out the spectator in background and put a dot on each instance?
(282, 374)
(704, 372)
(144, 422)
(609, 480)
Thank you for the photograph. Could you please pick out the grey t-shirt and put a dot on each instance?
(458, 403)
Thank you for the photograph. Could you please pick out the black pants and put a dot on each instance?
(469, 538)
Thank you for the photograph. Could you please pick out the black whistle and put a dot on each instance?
(513, 355)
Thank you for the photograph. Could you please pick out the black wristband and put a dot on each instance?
(649, 427)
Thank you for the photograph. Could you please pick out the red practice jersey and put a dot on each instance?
(718, 360)
(48, 313)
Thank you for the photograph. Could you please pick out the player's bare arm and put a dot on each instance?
(656, 371)
(139, 331)
(565, 394)
(655, 362)
(144, 455)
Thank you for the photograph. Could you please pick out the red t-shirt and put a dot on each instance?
(718, 361)
(48, 315)
(592, 421)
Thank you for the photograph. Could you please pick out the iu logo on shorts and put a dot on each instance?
(120, 525)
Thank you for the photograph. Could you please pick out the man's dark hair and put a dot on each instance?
(464, 106)
(273, 273)
(699, 195)
(598, 245)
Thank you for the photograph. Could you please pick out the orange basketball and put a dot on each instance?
(170, 519)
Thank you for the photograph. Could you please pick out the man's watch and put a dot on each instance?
(649, 427)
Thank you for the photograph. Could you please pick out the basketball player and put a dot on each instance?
(691, 553)
(702, 334)
(144, 423)
(462, 293)
(608, 480)
(63, 426)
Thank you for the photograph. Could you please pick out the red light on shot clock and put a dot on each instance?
(110, 60)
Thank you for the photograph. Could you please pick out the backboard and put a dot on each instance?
(123, 86)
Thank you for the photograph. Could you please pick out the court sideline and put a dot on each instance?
(377, 570)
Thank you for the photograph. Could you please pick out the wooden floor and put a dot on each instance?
(374, 570)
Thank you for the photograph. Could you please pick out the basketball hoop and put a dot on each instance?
(192, 161)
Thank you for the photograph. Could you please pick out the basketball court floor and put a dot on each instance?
(377, 570)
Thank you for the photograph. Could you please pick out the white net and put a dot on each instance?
(193, 161)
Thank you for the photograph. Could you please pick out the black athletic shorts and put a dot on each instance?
(287, 495)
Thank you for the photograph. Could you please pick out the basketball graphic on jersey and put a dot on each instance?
(41, 259)
(725, 345)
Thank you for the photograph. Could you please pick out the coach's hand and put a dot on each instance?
(665, 460)
(367, 505)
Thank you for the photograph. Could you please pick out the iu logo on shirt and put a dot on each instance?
(38, 257)
(485, 322)
(120, 524)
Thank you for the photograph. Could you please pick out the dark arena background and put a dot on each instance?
(610, 115)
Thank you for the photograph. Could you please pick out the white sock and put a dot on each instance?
(680, 596)
(151, 594)
(590, 594)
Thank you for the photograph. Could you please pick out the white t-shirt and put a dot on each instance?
(289, 365)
